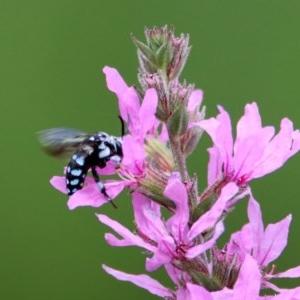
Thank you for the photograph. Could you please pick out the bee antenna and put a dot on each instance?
(122, 126)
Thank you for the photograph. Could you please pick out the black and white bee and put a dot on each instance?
(89, 151)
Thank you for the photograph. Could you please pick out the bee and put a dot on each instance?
(88, 151)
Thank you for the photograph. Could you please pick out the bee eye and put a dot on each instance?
(103, 136)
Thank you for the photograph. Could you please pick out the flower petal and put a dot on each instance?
(274, 242)
(257, 226)
(143, 281)
(147, 216)
(148, 110)
(134, 154)
(91, 195)
(176, 191)
(196, 292)
(285, 144)
(247, 286)
(215, 165)
(196, 250)
(163, 254)
(126, 234)
(116, 84)
(131, 103)
(290, 273)
(195, 100)
(209, 219)
(59, 182)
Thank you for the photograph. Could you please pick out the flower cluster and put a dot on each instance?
(165, 122)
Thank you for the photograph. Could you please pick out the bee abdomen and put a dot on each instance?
(76, 172)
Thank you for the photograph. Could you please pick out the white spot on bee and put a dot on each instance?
(79, 160)
(68, 169)
(74, 181)
(104, 153)
(74, 190)
(67, 181)
(100, 185)
(74, 156)
(68, 191)
(76, 172)
(115, 158)
(81, 184)
(101, 146)
(92, 138)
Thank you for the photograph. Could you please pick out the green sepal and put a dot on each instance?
(203, 207)
(194, 136)
(178, 121)
(164, 55)
(143, 48)
(204, 280)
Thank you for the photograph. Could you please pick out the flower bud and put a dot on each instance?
(163, 52)
(159, 165)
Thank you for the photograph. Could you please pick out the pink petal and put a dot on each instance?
(143, 281)
(197, 292)
(126, 234)
(114, 80)
(134, 155)
(290, 273)
(148, 218)
(112, 240)
(110, 169)
(195, 100)
(285, 144)
(131, 104)
(256, 223)
(211, 126)
(177, 275)
(209, 219)
(148, 110)
(163, 254)
(59, 182)
(291, 294)
(215, 165)
(275, 240)
(220, 132)
(241, 242)
(249, 151)
(176, 191)
(249, 123)
(247, 286)
(91, 195)
(196, 250)
(116, 84)
(224, 138)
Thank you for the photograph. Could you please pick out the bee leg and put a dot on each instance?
(122, 126)
(101, 186)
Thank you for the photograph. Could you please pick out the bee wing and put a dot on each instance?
(59, 141)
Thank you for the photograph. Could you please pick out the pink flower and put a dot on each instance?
(172, 239)
(265, 245)
(141, 121)
(255, 152)
(247, 286)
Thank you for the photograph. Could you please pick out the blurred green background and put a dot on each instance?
(52, 54)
